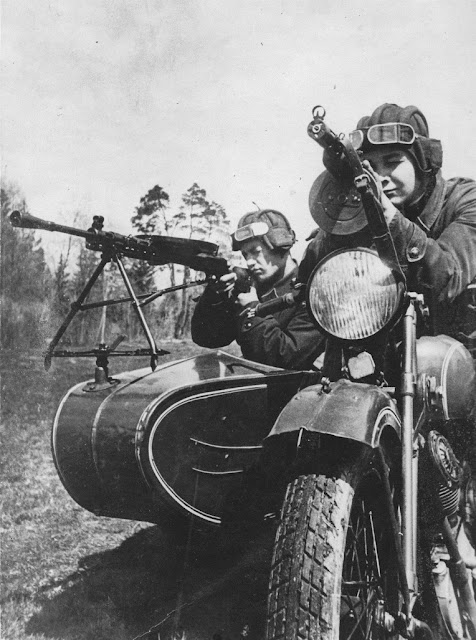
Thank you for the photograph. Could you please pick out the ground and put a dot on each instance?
(69, 575)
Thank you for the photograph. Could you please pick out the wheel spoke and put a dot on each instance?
(362, 579)
(374, 541)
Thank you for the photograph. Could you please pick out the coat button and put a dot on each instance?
(414, 251)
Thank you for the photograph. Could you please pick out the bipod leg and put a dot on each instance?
(137, 308)
(75, 307)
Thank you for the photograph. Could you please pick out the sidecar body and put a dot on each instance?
(172, 442)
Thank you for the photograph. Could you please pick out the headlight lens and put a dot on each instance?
(353, 295)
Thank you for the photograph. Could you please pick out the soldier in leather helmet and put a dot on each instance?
(433, 225)
(432, 220)
(285, 338)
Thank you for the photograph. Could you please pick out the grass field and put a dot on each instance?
(67, 574)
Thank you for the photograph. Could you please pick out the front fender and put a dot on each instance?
(349, 410)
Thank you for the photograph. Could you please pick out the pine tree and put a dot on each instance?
(151, 217)
(201, 219)
(25, 279)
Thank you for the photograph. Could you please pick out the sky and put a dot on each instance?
(103, 99)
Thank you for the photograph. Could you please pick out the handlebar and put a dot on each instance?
(269, 307)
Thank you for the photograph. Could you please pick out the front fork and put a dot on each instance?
(409, 446)
(406, 624)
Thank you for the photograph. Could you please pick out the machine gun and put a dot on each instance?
(346, 196)
(154, 249)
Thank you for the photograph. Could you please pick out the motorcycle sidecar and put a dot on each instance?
(172, 442)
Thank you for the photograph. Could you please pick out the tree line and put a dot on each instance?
(36, 297)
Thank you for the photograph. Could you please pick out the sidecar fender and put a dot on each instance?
(349, 410)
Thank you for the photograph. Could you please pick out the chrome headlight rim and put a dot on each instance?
(391, 322)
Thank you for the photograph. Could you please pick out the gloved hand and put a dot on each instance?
(389, 209)
(226, 283)
(244, 299)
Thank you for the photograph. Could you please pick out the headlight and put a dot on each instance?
(352, 295)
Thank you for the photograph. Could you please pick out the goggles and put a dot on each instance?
(388, 133)
(252, 230)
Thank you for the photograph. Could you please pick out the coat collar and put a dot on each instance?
(282, 286)
(434, 205)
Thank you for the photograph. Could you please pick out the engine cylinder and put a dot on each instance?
(446, 378)
(450, 472)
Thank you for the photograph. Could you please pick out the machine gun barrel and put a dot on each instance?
(96, 239)
(340, 159)
(196, 254)
(27, 221)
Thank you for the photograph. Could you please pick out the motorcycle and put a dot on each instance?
(363, 466)
(376, 530)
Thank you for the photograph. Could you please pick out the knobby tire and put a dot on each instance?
(323, 534)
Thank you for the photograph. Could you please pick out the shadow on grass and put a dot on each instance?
(204, 590)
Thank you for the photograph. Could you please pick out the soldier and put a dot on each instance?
(286, 338)
(432, 220)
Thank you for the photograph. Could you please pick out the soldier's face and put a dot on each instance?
(263, 264)
(394, 165)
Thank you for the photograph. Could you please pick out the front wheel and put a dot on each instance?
(334, 572)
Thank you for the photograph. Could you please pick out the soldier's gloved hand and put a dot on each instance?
(244, 299)
(226, 283)
(223, 286)
(389, 209)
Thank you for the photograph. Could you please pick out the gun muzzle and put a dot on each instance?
(27, 221)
